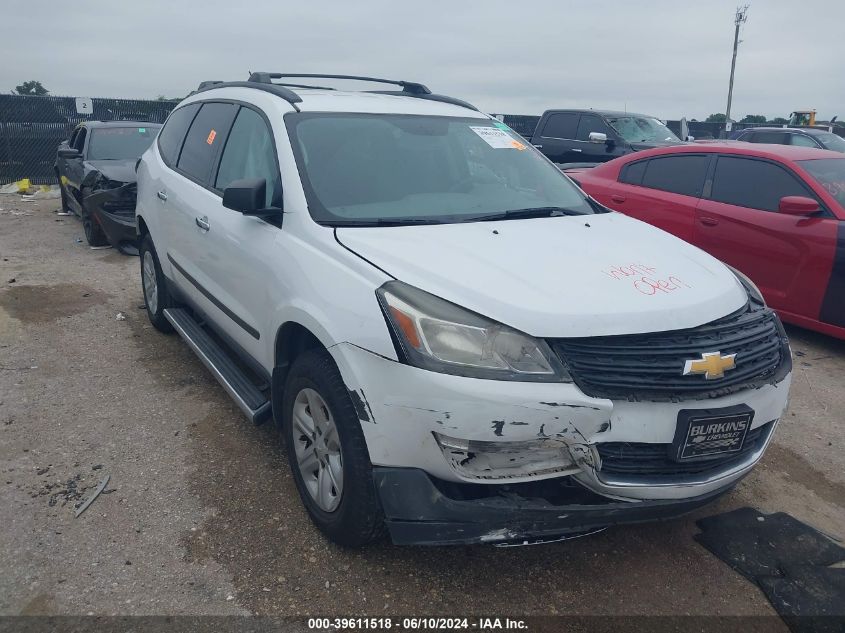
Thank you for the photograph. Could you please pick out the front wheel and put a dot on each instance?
(156, 296)
(93, 232)
(327, 452)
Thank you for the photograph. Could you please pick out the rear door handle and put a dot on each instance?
(538, 146)
(575, 149)
(161, 195)
(202, 222)
(709, 221)
(618, 198)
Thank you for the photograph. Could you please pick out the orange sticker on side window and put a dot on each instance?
(211, 136)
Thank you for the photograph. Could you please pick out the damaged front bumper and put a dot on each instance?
(114, 210)
(422, 510)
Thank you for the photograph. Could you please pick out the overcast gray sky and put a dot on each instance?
(661, 57)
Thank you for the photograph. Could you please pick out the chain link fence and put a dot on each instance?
(31, 129)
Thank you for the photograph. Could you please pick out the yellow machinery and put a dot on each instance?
(803, 118)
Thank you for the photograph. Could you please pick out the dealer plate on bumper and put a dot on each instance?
(711, 432)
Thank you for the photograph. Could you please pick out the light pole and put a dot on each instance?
(740, 17)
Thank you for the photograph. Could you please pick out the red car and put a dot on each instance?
(775, 212)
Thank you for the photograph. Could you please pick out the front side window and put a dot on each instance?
(591, 123)
(79, 141)
(756, 184)
(249, 153)
(642, 129)
(829, 173)
(366, 168)
(120, 143)
(205, 136)
(678, 174)
(802, 140)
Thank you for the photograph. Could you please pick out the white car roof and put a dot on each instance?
(315, 100)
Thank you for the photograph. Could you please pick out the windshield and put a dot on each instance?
(833, 142)
(642, 129)
(378, 168)
(829, 173)
(120, 143)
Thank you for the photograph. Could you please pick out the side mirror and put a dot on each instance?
(247, 196)
(798, 205)
(69, 152)
(598, 137)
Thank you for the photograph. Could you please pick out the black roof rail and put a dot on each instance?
(407, 86)
(428, 97)
(280, 91)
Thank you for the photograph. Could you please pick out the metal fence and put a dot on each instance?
(31, 129)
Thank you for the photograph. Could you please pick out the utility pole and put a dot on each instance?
(739, 19)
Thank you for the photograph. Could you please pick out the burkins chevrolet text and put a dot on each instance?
(457, 344)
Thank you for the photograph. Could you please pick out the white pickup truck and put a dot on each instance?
(457, 344)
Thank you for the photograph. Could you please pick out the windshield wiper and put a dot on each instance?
(521, 214)
(381, 222)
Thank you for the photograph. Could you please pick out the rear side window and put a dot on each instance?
(171, 136)
(752, 183)
(775, 138)
(249, 153)
(591, 123)
(205, 137)
(633, 172)
(561, 125)
(678, 174)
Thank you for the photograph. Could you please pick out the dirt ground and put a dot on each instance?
(200, 514)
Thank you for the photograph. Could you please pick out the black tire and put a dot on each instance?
(93, 232)
(162, 294)
(358, 519)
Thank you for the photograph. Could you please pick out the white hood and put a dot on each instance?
(558, 277)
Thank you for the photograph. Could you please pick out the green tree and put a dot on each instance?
(779, 120)
(754, 118)
(31, 88)
(715, 118)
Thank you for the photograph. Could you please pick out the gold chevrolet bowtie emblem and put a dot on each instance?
(712, 364)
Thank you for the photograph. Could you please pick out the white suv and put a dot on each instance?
(458, 345)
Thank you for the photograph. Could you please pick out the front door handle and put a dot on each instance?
(709, 221)
(538, 146)
(161, 195)
(202, 222)
(617, 198)
(575, 149)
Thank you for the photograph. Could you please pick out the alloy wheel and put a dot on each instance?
(317, 448)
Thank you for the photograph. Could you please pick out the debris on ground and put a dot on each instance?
(120, 316)
(96, 494)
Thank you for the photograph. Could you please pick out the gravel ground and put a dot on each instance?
(200, 514)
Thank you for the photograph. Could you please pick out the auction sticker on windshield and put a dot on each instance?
(496, 138)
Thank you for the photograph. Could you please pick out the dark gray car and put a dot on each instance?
(95, 168)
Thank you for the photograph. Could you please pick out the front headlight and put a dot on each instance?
(750, 287)
(440, 336)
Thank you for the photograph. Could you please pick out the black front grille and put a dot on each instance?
(640, 458)
(650, 366)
